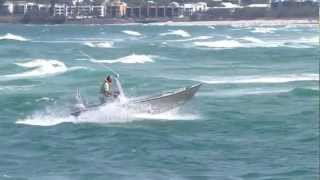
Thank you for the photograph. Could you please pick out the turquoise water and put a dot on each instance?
(255, 117)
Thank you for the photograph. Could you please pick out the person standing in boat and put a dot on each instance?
(106, 89)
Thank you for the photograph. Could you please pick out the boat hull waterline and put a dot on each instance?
(153, 104)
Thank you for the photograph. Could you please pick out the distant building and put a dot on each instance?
(60, 10)
(117, 9)
(189, 9)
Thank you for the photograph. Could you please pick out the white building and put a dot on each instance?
(9, 5)
(99, 11)
(60, 10)
(189, 8)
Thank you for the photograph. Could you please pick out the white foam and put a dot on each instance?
(170, 115)
(110, 113)
(310, 40)
(131, 59)
(44, 99)
(244, 92)
(252, 40)
(219, 44)
(132, 33)
(264, 30)
(15, 88)
(179, 32)
(13, 37)
(45, 120)
(99, 44)
(193, 39)
(40, 68)
(259, 79)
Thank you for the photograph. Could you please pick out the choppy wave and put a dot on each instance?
(132, 33)
(13, 37)
(99, 44)
(15, 88)
(110, 113)
(179, 32)
(251, 42)
(40, 68)
(259, 79)
(219, 44)
(244, 92)
(131, 59)
(264, 30)
(192, 39)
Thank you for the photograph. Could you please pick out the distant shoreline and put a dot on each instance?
(255, 22)
(183, 22)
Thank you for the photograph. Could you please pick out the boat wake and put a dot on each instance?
(110, 113)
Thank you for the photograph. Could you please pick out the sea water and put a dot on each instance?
(256, 115)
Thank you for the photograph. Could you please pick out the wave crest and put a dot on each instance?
(179, 32)
(259, 79)
(13, 37)
(99, 44)
(132, 33)
(40, 68)
(131, 59)
(219, 44)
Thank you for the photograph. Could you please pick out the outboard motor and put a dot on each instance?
(79, 105)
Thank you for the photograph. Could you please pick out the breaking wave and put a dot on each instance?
(99, 44)
(13, 37)
(179, 32)
(259, 79)
(40, 68)
(132, 33)
(110, 113)
(131, 59)
(219, 44)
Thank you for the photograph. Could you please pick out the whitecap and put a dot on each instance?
(132, 33)
(192, 39)
(179, 32)
(13, 37)
(264, 30)
(285, 78)
(131, 59)
(252, 40)
(219, 44)
(99, 44)
(40, 68)
(244, 92)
